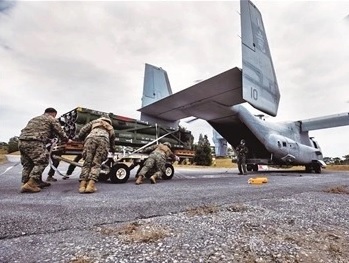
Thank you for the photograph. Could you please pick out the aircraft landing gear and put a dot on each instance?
(252, 167)
(316, 167)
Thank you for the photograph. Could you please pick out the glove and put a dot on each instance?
(177, 158)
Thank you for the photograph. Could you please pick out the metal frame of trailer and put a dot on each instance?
(116, 168)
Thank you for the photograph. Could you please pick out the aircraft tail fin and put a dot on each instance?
(325, 122)
(260, 87)
(156, 86)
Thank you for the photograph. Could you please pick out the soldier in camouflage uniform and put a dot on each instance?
(242, 152)
(32, 146)
(99, 139)
(156, 160)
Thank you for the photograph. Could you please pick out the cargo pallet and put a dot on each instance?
(130, 134)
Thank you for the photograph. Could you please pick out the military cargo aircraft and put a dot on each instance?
(219, 99)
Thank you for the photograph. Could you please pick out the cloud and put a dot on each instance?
(66, 54)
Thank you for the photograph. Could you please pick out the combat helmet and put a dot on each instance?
(106, 119)
(167, 144)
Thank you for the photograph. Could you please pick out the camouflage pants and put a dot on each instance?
(241, 160)
(94, 153)
(34, 159)
(155, 162)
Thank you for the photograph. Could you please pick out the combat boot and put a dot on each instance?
(82, 186)
(91, 187)
(65, 177)
(30, 187)
(50, 178)
(139, 179)
(43, 184)
(153, 179)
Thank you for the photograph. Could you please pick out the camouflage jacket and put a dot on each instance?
(98, 128)
(42, 128)
(161, 149)
(241, 150)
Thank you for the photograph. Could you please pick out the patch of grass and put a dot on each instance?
(134, 232)
(202, 210)
(3, 152)
(126, 229)
(337, 167)
(339, 189)
(237, 208)
(224, 163)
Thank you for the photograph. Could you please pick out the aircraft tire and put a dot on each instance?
(308, 168)
(317, 168)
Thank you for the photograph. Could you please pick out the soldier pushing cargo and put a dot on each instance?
(32, 146)
(99, 138)
(157, 160)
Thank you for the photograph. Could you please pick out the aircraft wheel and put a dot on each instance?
(317, 168)
(119, 173)
(169, 172)
(249, 167)
(255, 168)
(308, 169)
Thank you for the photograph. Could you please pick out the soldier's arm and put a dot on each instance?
(112, 142)
(59, 131)
(173, 156)
(150, 148)
(85, 130)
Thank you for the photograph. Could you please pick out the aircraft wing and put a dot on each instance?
(325, 122)
(208, 100)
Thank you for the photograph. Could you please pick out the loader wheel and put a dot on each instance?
(169, 172)
(119, 173)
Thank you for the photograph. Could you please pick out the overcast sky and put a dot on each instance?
(92, 54)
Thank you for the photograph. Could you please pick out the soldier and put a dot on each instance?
(157, 160)
(32, 146)
(242, 152)
(99, 139)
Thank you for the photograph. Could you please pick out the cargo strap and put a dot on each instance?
(144, 146)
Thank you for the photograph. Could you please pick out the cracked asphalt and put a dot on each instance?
(44, 227)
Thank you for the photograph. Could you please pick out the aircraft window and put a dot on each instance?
(284, 144)
(279, 144)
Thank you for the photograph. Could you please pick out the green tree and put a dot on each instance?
(328, 160)
(13, 144)
(346, 159)
(203, 154)
(337, 160)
